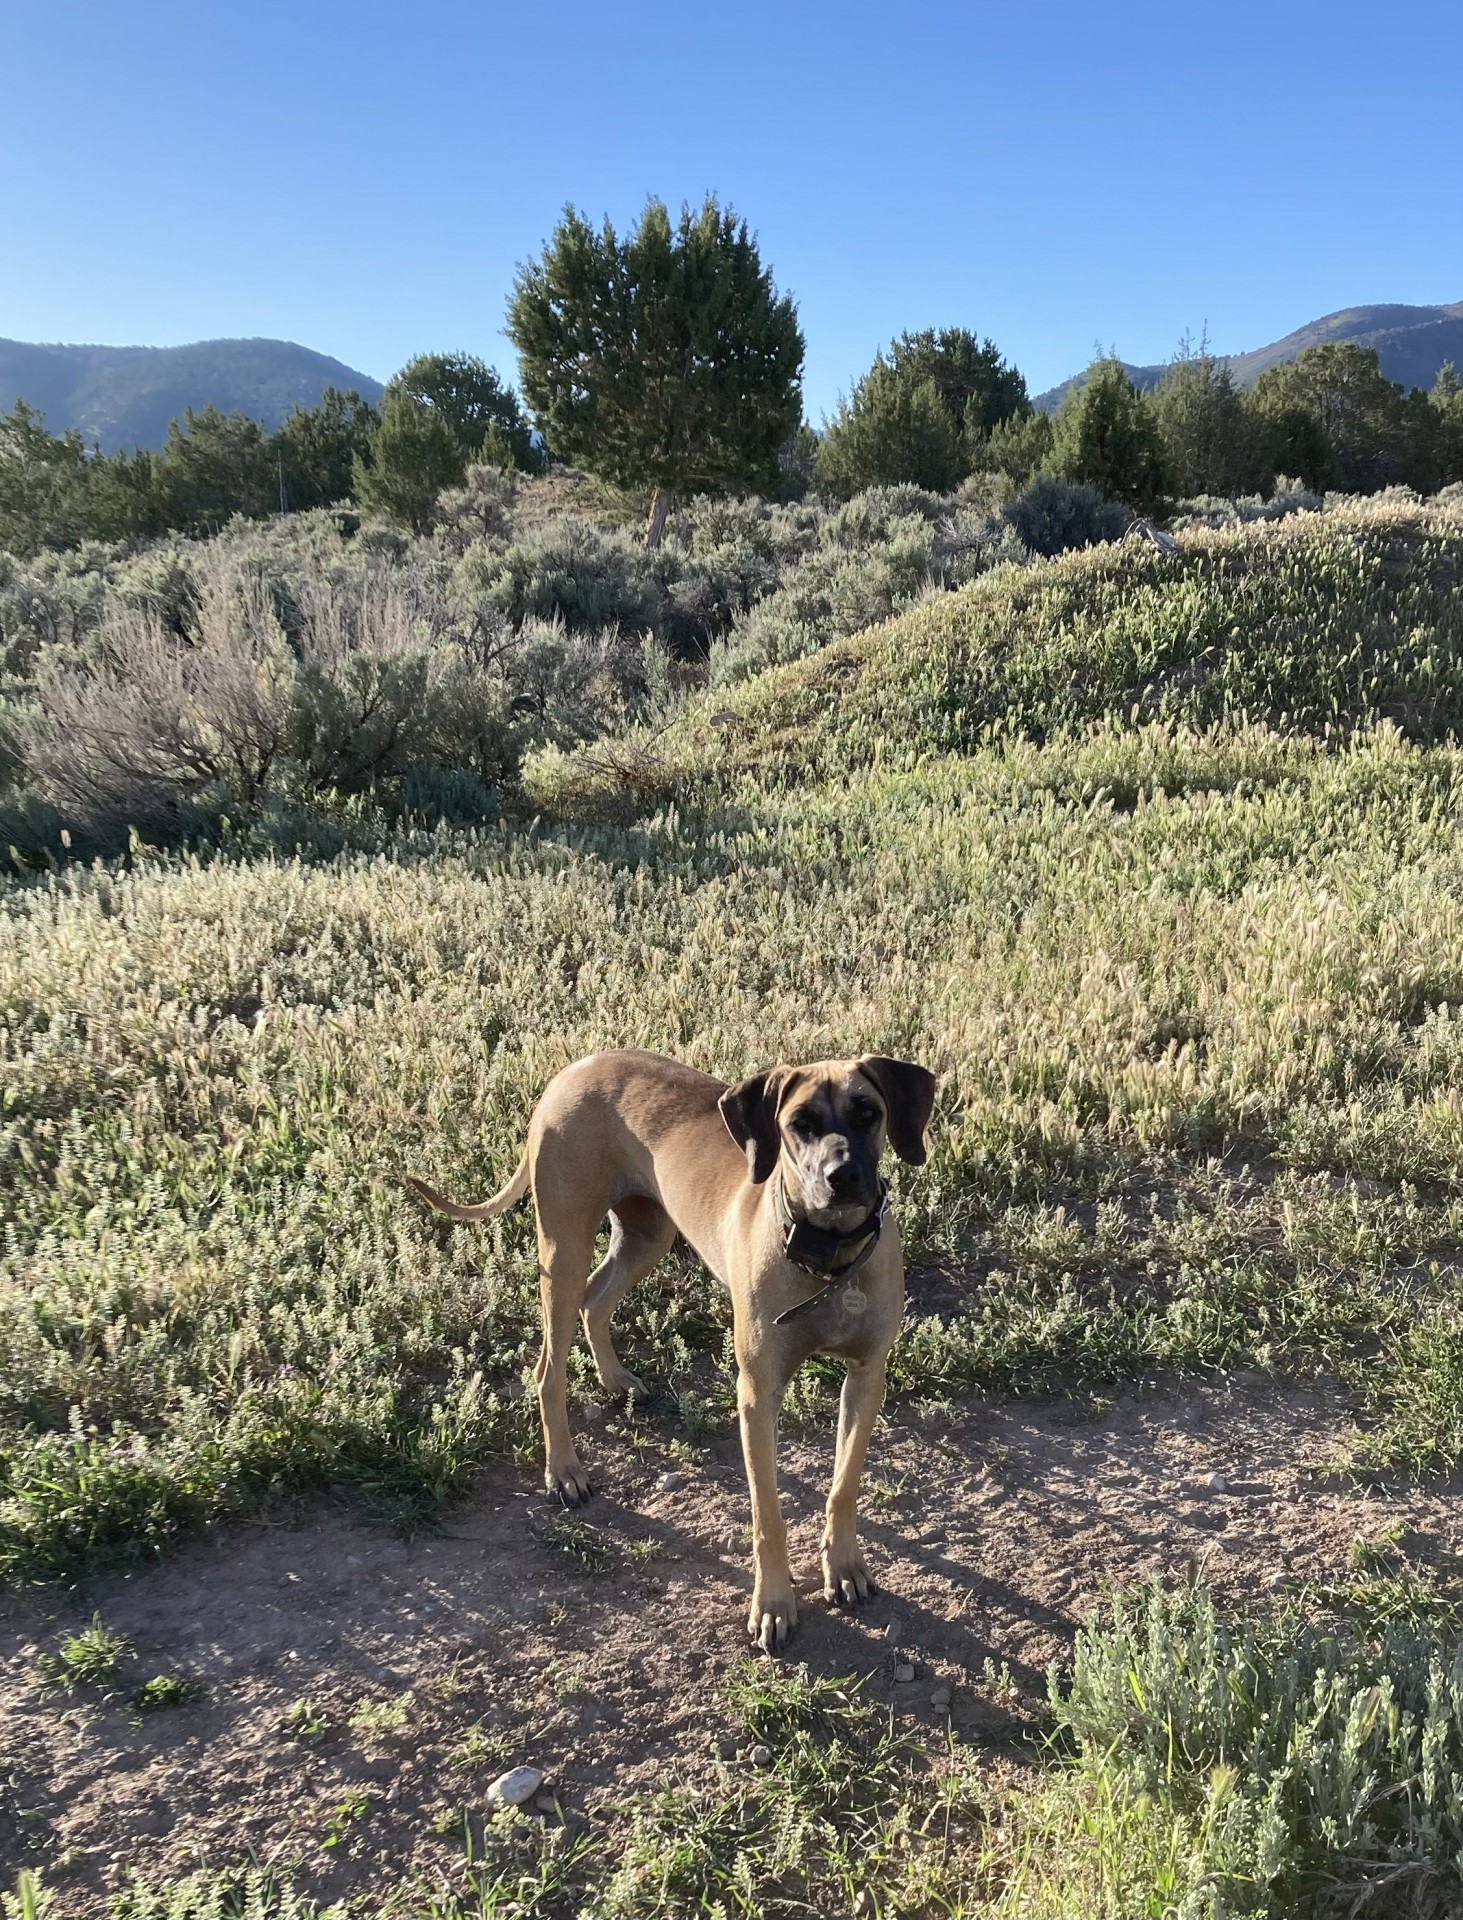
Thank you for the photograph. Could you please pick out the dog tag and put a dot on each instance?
(854, 1298)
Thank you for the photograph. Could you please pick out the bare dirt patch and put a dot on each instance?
(359, 1692)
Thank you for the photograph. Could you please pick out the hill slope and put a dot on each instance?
(125, 396)
(1411, 343)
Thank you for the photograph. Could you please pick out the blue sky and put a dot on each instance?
(363, 178)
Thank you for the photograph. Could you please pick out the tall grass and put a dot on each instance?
(1131, 950)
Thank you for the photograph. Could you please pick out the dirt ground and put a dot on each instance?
(481, 1646)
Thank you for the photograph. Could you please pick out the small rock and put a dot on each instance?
(513, 1788)
(726, 1747)
(594, 1413)
(1216, 1483)
(761, 1756)
(904, 1673)
(546, 1803)
(668, 1482)
(864, 1904)
(940, 1698)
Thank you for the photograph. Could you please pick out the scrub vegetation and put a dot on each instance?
(1154, 855)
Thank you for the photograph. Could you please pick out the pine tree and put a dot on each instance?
(1105, 436)
(664, 361)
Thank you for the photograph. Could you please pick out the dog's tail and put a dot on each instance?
(480, 1209)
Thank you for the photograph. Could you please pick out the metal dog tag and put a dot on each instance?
(854, 1298)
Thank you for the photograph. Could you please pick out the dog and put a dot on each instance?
(775, 1183)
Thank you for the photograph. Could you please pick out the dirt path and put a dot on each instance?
(990, 1535)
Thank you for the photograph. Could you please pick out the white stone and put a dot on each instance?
(512, 1789)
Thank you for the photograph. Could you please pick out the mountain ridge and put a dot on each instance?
(1412, 343)
(123, 397)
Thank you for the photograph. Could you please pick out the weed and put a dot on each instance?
(165, 1690)
(377, 1717)
(92, 1659)
(304, 1720)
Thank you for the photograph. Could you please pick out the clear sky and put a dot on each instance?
(364, 177)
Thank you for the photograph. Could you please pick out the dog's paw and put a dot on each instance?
(625, 1385)
(772, 1617)
(846, 1581)
(570, 1485)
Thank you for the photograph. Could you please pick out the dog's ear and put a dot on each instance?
(909, 1099)
(750, 1113)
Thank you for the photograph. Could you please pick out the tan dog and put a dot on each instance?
(775, 1183)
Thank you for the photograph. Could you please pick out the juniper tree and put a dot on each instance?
(1105, 435)
(664, 360)
(889, 431)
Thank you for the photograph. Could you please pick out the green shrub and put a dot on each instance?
(1053, 515)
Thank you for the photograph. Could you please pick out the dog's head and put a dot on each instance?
(828, 1124)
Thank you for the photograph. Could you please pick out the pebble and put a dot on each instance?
(593, 1412)
(668, 1482)
(513, 1788)
(904, 1673)
(726, 1747)
(1216, 1483)
(761, 1756)
(546, 1803)
(940, 1698)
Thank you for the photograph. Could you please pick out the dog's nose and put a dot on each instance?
(842, 1177)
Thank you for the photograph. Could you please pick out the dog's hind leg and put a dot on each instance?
(845, 1576)
(565, 1250)
(641, 1233)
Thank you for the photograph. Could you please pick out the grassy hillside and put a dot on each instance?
(123, 397)
(1128, 946)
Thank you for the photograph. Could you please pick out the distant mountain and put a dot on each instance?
(1411, 343)
(125, 396)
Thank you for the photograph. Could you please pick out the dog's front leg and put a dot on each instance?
(845, 1576)
(774, 1609)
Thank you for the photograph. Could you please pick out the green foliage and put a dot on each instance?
(977, 389)
(1106, 436)
(213, 466)
(1446, 399)
(412, 455)
(663, 361)
(892, 431)
(483, 415)
(316, 449)
(93, 1658)
(242, 1893)
(1301, 1757)
(1017, 447)
(1051, 516)
(1365, 419)
(42, 482)
(164, 1692)
(1209, 435)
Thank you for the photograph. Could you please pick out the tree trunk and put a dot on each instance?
(660, 506)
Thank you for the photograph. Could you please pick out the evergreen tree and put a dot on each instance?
(43, 484)
(1209, 436)
(411, 456)
(1018, 446)
(315, 450)
(1105, 436)
(215, 465)
(1446, 400)
(891, 431)
(974, 383)
(1362, 414)
(484, 416)
(664, 361)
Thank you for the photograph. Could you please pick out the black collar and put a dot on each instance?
(819, 1251)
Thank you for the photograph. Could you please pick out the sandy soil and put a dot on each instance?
(991, 1535)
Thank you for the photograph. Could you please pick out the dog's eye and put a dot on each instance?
(803, 1125)
(865, 1115)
